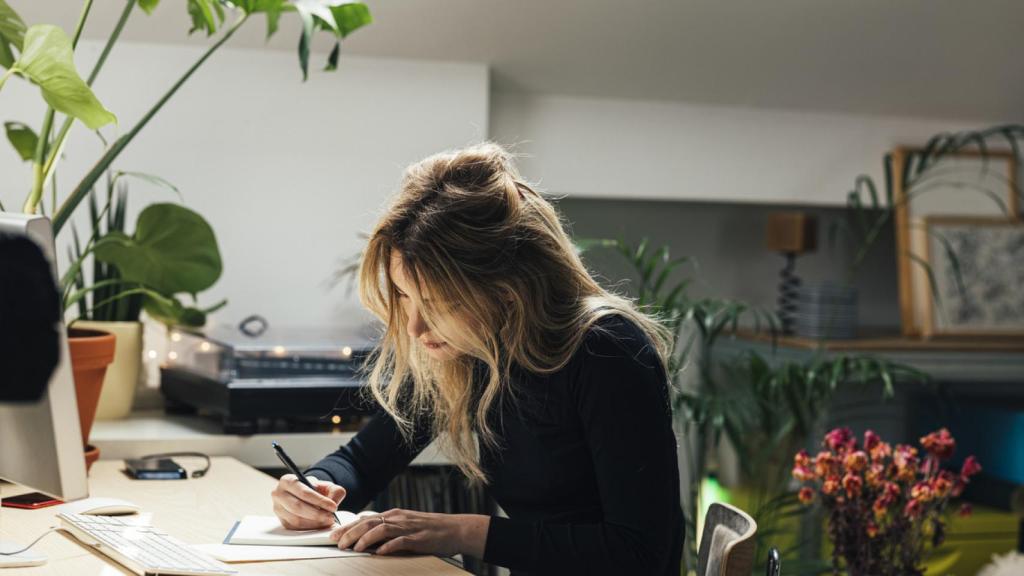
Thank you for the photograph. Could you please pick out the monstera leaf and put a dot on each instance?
(173, 250)
(46, 60)
(339, 17)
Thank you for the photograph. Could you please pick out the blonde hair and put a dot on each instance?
(474, 233)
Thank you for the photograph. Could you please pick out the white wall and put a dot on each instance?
(672, 150)
(286, 172)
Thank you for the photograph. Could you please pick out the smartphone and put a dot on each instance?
(31, 501)
(154, 469)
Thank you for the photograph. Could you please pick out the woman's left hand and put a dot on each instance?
(408, 531)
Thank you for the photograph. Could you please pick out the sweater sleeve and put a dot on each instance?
(369, 461)
(621, 397)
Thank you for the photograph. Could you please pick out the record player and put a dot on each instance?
(255, 377)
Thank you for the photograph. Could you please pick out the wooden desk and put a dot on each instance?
(196, 511)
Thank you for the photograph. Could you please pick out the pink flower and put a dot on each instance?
(965, 510)
(840, 440)
(970, 468)
(905, 459)
(939, 444)
(913, 509)
(806, 495)
(856, 461)
(871, 440)
(881, 507)
(852, 484)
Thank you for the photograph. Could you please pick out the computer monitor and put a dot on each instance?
(40, 441)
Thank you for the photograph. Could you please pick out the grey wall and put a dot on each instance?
(728, 243)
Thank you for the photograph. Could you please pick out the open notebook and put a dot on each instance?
(267, 531)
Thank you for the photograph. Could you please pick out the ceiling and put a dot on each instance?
(929, 58)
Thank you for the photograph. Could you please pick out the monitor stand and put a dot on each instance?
(26, 558)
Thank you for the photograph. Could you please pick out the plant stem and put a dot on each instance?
(66, 126)
(38, 159)
(8, 74)
(94, 174)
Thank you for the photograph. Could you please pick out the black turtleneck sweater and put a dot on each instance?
(586, 471)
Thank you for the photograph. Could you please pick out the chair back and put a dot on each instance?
(727, 543)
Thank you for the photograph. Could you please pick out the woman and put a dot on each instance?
(541, 384)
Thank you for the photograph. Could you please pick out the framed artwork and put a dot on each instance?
(961, 185)
(978, 293)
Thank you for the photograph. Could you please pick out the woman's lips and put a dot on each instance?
(435, 345)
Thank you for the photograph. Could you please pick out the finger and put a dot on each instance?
(307, 494)
(331, 490)
(305, 510)
(290, 520)
(400, 544)
(353, 532)
(376, 535)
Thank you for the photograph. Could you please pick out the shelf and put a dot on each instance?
(153, 431)
(982, 361)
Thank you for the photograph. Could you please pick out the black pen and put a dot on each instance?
(295, 470)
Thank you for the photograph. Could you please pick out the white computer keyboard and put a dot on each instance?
(142, 549)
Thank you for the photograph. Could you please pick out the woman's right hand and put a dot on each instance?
(300, 508)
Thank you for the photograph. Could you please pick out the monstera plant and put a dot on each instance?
(43, 55)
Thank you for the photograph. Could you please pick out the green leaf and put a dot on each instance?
(148, 5)
(350, 16)
(332, 60)
(22, 138)
(173, 250)
(47, 61)
(12, 34)
(206, 15)
(341, 17)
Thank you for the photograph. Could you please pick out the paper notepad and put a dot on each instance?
(267, 531)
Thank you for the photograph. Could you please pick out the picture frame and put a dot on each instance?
(964, 184)
(980, 294)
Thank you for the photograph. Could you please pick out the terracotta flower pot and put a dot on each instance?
(91, 352)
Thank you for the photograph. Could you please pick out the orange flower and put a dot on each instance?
(905, 459)
(806, 495)
(881, 507)
(802, 458)
(825, 464)
(942, 485)
(831, 485)
(852, 484)
(939, 444)
(880, 451)
(803, 473)
(856, 461)
(922, 491)
(872, 529)
(913, 509)
(875, 475)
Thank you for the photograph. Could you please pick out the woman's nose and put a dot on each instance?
(416, 324)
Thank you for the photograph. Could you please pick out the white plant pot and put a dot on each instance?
(124, 372)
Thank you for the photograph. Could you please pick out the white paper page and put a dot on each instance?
(236, 553)
(267, 531)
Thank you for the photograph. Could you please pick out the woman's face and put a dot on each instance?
(417, 328)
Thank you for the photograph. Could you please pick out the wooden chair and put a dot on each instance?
(727, 543)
